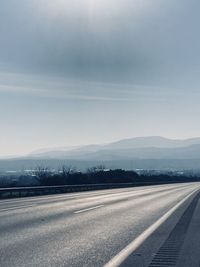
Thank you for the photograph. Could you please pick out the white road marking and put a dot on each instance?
(128, 250)
(88, 209)
(17, 207)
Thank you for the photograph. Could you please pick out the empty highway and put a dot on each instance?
(105, 228)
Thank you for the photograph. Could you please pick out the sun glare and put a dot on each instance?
(94, 8)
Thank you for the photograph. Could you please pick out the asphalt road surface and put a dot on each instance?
(103, 228)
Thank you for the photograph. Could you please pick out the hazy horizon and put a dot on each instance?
(74, 146)
(78, 72)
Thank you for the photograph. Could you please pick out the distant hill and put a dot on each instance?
(153, 147)
(152, 141)
(152, 152)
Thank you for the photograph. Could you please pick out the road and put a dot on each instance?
(105, 228)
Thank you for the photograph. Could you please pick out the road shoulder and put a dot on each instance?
(144, 255)
(190, 252)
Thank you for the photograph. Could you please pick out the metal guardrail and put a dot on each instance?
(42, 190)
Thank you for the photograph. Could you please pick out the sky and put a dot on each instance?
(78, 72)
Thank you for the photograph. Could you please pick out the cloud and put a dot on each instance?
(74, 90)
(149, 42)
(69, 89)
(79, 39)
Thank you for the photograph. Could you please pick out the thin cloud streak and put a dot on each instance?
(87, 91)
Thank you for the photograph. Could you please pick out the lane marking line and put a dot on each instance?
(129, 249)
(88, 209)
(17, 207)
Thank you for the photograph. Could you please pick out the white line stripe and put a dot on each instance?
(17, 207)
(92, 208)
(128, 250)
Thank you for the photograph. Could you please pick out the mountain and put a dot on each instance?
(152, 141)
(152, 152)
(50, 150)
(153, 147)
(190, 152)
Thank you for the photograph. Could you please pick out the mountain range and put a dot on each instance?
(153, 147)
(149, 153)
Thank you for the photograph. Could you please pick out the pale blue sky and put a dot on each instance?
(89, 71)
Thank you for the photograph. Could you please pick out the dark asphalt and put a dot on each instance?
(81, 229)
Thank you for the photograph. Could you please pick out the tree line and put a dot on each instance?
(44, 176)
(95, 175)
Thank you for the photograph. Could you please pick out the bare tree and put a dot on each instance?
(66, 171)
(42, 174)
(96, 169)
